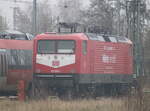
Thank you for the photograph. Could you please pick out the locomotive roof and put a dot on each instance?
(108, 38)
(73, 36)
(84, 36)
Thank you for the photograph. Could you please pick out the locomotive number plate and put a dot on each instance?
(55, 63)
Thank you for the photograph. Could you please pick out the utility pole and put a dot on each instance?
(34, 21)
(119, 17)
(14, 15)
(135, 18)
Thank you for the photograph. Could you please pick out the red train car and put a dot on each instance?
(15, 60)
(82, 62)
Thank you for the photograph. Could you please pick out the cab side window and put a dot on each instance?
(3, 65)
(84, 47)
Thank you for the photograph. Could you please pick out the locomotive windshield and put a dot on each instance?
(56, 46)
(46, 46)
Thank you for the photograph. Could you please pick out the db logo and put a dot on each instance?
(55, 63)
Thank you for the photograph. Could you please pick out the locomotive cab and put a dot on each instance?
(57, 58)
(56, 54)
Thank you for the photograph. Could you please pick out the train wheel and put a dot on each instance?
(88, 92)
(67, 94)
(100, 91)
(123, 89)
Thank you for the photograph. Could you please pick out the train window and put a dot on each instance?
(13, 62)
(19, 36)
(1, 65)
(84, 47)
(65, 46)
(7, 37)
(20, 59)
(113, 39)
(46, 46)
(14, 36)
(131, 51)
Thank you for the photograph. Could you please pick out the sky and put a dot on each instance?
(6, 8)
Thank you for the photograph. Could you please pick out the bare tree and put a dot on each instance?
(45, 20)
(70, 11)
(24, 20)
(100, 14)
(106, 16)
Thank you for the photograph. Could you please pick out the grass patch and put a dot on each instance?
(59, 105)
(102, 104)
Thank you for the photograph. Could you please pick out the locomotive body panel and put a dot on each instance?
(111, 58)
(106, 58)
(93, 61)
(15, 44)
(55, 60)
(106, 62)
(55, 63)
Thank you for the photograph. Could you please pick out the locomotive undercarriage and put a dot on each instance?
(68, 87)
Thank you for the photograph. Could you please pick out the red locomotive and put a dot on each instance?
(15, 60)
(82, 63)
